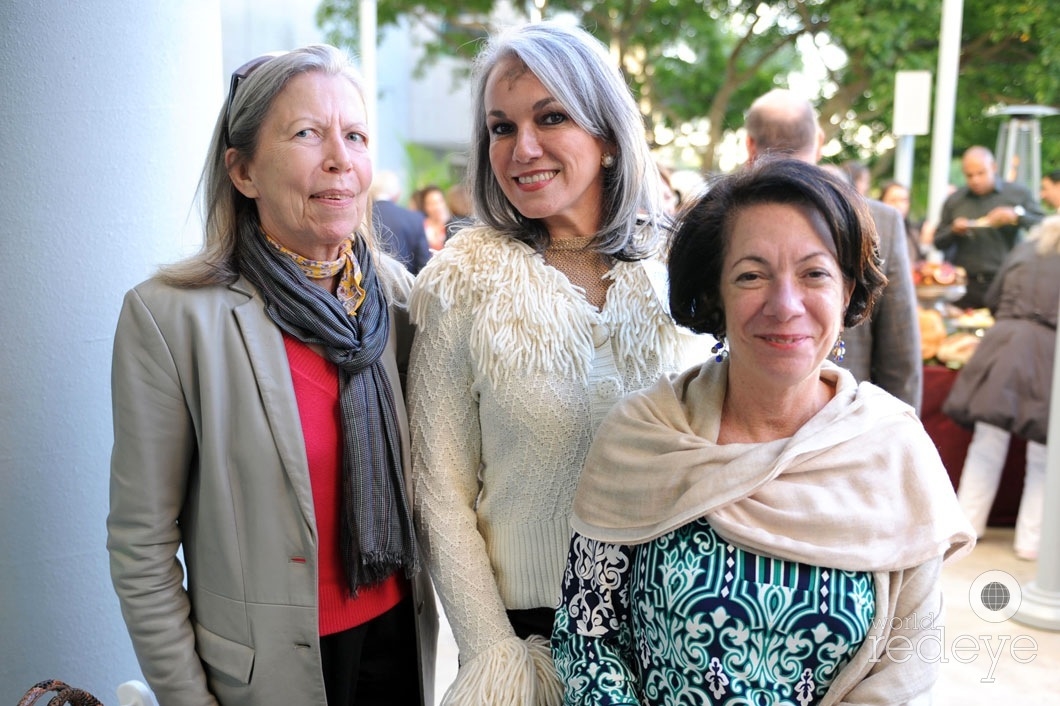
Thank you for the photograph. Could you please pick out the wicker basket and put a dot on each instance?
(65, 694)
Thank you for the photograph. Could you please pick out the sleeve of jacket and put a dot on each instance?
(896, 363)
(446, 456)
(398, 286)
(945, 238)
(154, 451)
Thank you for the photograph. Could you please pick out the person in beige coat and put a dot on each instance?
(260, 530)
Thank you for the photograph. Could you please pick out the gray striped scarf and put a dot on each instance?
(377, 534)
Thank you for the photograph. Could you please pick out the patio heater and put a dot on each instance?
(1019, 143)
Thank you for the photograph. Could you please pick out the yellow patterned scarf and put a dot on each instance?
(350, 292)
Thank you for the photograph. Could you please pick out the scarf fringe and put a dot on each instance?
(377, 567)
(648, 340)
(529, 317)
(513, 672)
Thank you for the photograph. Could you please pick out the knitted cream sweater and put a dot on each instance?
(511, 372)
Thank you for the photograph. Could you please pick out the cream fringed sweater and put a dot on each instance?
(511, 372)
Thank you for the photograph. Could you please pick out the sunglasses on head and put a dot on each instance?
(238, 75)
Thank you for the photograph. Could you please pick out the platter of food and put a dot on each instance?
(974, 320)
(938, 282)
(930, 294)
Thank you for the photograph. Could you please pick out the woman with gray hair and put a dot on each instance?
(1004, 387)
(530, 325)
(259, 426)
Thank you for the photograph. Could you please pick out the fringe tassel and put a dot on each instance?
(648, 340)
(528, 325)
(513, 672)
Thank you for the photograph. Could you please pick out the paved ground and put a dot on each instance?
(1015, 665)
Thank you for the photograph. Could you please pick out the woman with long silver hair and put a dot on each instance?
(259, 426)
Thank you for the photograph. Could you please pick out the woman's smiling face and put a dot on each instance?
(548, 166)
(783, 292)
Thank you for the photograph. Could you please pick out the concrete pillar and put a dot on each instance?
(1041, 598)
(106, 108)
(945, 105)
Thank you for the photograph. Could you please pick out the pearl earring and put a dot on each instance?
(607, 161)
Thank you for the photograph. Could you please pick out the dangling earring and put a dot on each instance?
(607, 161)
(839, 350)
(720, 351)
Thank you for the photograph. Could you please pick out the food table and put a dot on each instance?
(952, 442)
(949, 337)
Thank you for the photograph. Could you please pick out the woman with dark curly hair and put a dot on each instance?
(760, 528)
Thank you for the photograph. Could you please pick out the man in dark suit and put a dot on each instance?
(400, 230)
(884, 350)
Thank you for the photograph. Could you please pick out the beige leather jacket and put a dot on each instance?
(209, 459)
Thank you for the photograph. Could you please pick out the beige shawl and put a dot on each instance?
(859, 487)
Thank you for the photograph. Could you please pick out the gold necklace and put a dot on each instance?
(580, 242)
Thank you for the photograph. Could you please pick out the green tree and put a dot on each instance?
(1007, 47)
(688, 61)
(699, 63)
(1008, 57)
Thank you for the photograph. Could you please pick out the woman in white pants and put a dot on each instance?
(982, 476)
(1004, 388)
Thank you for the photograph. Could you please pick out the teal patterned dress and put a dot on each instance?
(690, 619)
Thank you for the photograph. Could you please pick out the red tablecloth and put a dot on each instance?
(952, 442)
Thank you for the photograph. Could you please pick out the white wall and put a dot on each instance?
(433, 111)
(107, 108)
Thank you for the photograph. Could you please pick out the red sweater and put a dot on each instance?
(316, 387)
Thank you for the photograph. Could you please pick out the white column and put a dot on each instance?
(945, 105)
(106, 110)
(1041, 598)
(369, 70)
